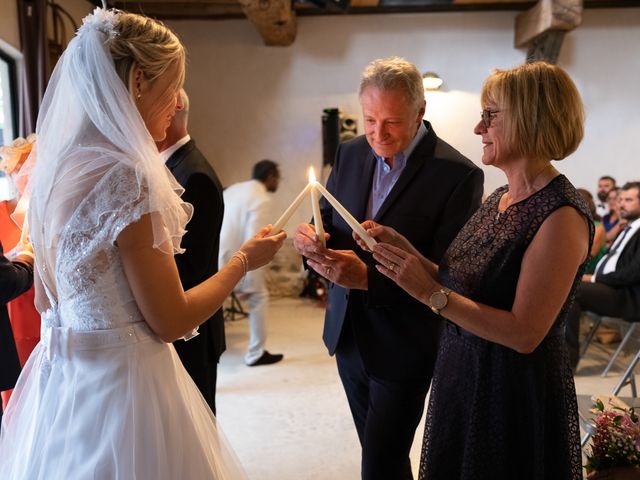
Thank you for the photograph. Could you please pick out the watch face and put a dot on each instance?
(439, 300)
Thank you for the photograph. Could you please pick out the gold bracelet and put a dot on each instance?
(240, 255)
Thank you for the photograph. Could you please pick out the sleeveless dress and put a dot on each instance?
(101, 396)
(495, 413)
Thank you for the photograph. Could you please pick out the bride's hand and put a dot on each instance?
(261, 248)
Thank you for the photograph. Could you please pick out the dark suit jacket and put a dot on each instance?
(15, 279)
(627, 273)
(437, 192)
(202, 241)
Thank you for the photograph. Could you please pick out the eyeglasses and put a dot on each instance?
(487, 116)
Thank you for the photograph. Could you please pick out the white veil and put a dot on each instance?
(88, 124)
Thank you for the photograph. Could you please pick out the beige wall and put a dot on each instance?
(9, 23)
(9, 31)
(250, 101)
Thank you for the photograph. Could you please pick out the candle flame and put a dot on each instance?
(312, 175)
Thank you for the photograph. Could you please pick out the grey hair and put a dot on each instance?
(394, 73)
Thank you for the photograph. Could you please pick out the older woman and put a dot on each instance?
(503, 401)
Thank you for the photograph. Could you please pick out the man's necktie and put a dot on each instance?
(612, 251)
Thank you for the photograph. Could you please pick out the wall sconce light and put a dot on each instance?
(431, 81)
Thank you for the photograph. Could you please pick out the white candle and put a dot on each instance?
(344, 213)
(284, 218)
(315, 206)
(317, 216)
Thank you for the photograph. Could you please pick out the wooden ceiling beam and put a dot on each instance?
(546, 16)
(176, 9)
(364, 3)
(275, 20)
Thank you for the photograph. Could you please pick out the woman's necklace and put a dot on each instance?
(510, 200)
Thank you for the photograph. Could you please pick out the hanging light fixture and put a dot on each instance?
(431, 81)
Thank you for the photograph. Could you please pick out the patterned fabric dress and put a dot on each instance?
(495, 413)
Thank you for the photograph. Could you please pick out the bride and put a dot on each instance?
(104, 395)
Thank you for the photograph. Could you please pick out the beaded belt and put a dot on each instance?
(63, 341)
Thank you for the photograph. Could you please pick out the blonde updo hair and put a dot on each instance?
(146, 43)
(542, 109)
(395, 73)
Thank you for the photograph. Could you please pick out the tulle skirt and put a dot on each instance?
(113, 405)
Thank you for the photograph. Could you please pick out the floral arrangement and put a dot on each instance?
(616, 442)
(12, 156)
(102, 19)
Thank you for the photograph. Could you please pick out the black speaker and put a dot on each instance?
(330, 134)
(348, 127)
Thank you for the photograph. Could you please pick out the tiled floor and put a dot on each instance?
(290, 421)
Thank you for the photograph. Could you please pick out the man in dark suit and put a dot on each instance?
(402, 175)
(614, 288)
(203, 190)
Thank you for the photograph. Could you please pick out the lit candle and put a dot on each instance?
(353, 223)
(315, 205)
(284, 218)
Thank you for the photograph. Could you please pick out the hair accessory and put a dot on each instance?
(102, 20)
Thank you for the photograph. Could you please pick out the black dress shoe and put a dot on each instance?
(267, 359)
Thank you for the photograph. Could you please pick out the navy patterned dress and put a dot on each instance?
(495, 413)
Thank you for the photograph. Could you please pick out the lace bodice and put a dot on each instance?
(91, 289)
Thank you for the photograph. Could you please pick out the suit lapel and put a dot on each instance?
(363, 187)
(179, 155)
(423, 151)
(631, 250)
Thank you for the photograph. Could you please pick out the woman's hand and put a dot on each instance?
(405, 269)
(261, 248)
(382, 234)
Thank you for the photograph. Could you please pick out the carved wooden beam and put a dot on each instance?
(364, 3)
(542, 27)
(275, 20)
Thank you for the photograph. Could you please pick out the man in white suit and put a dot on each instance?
(246, 212)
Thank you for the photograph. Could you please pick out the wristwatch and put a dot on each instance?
(439, 299)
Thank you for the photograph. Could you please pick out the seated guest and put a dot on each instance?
(599, 246)
(605, 185)
(613, 290)
(611, 220)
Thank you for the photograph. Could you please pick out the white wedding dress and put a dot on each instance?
(101, 396)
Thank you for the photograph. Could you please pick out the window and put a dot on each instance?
(8, 117)
(8, 112)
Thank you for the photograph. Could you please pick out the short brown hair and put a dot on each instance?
(630, 185)
(588, 198)
(542, 109)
